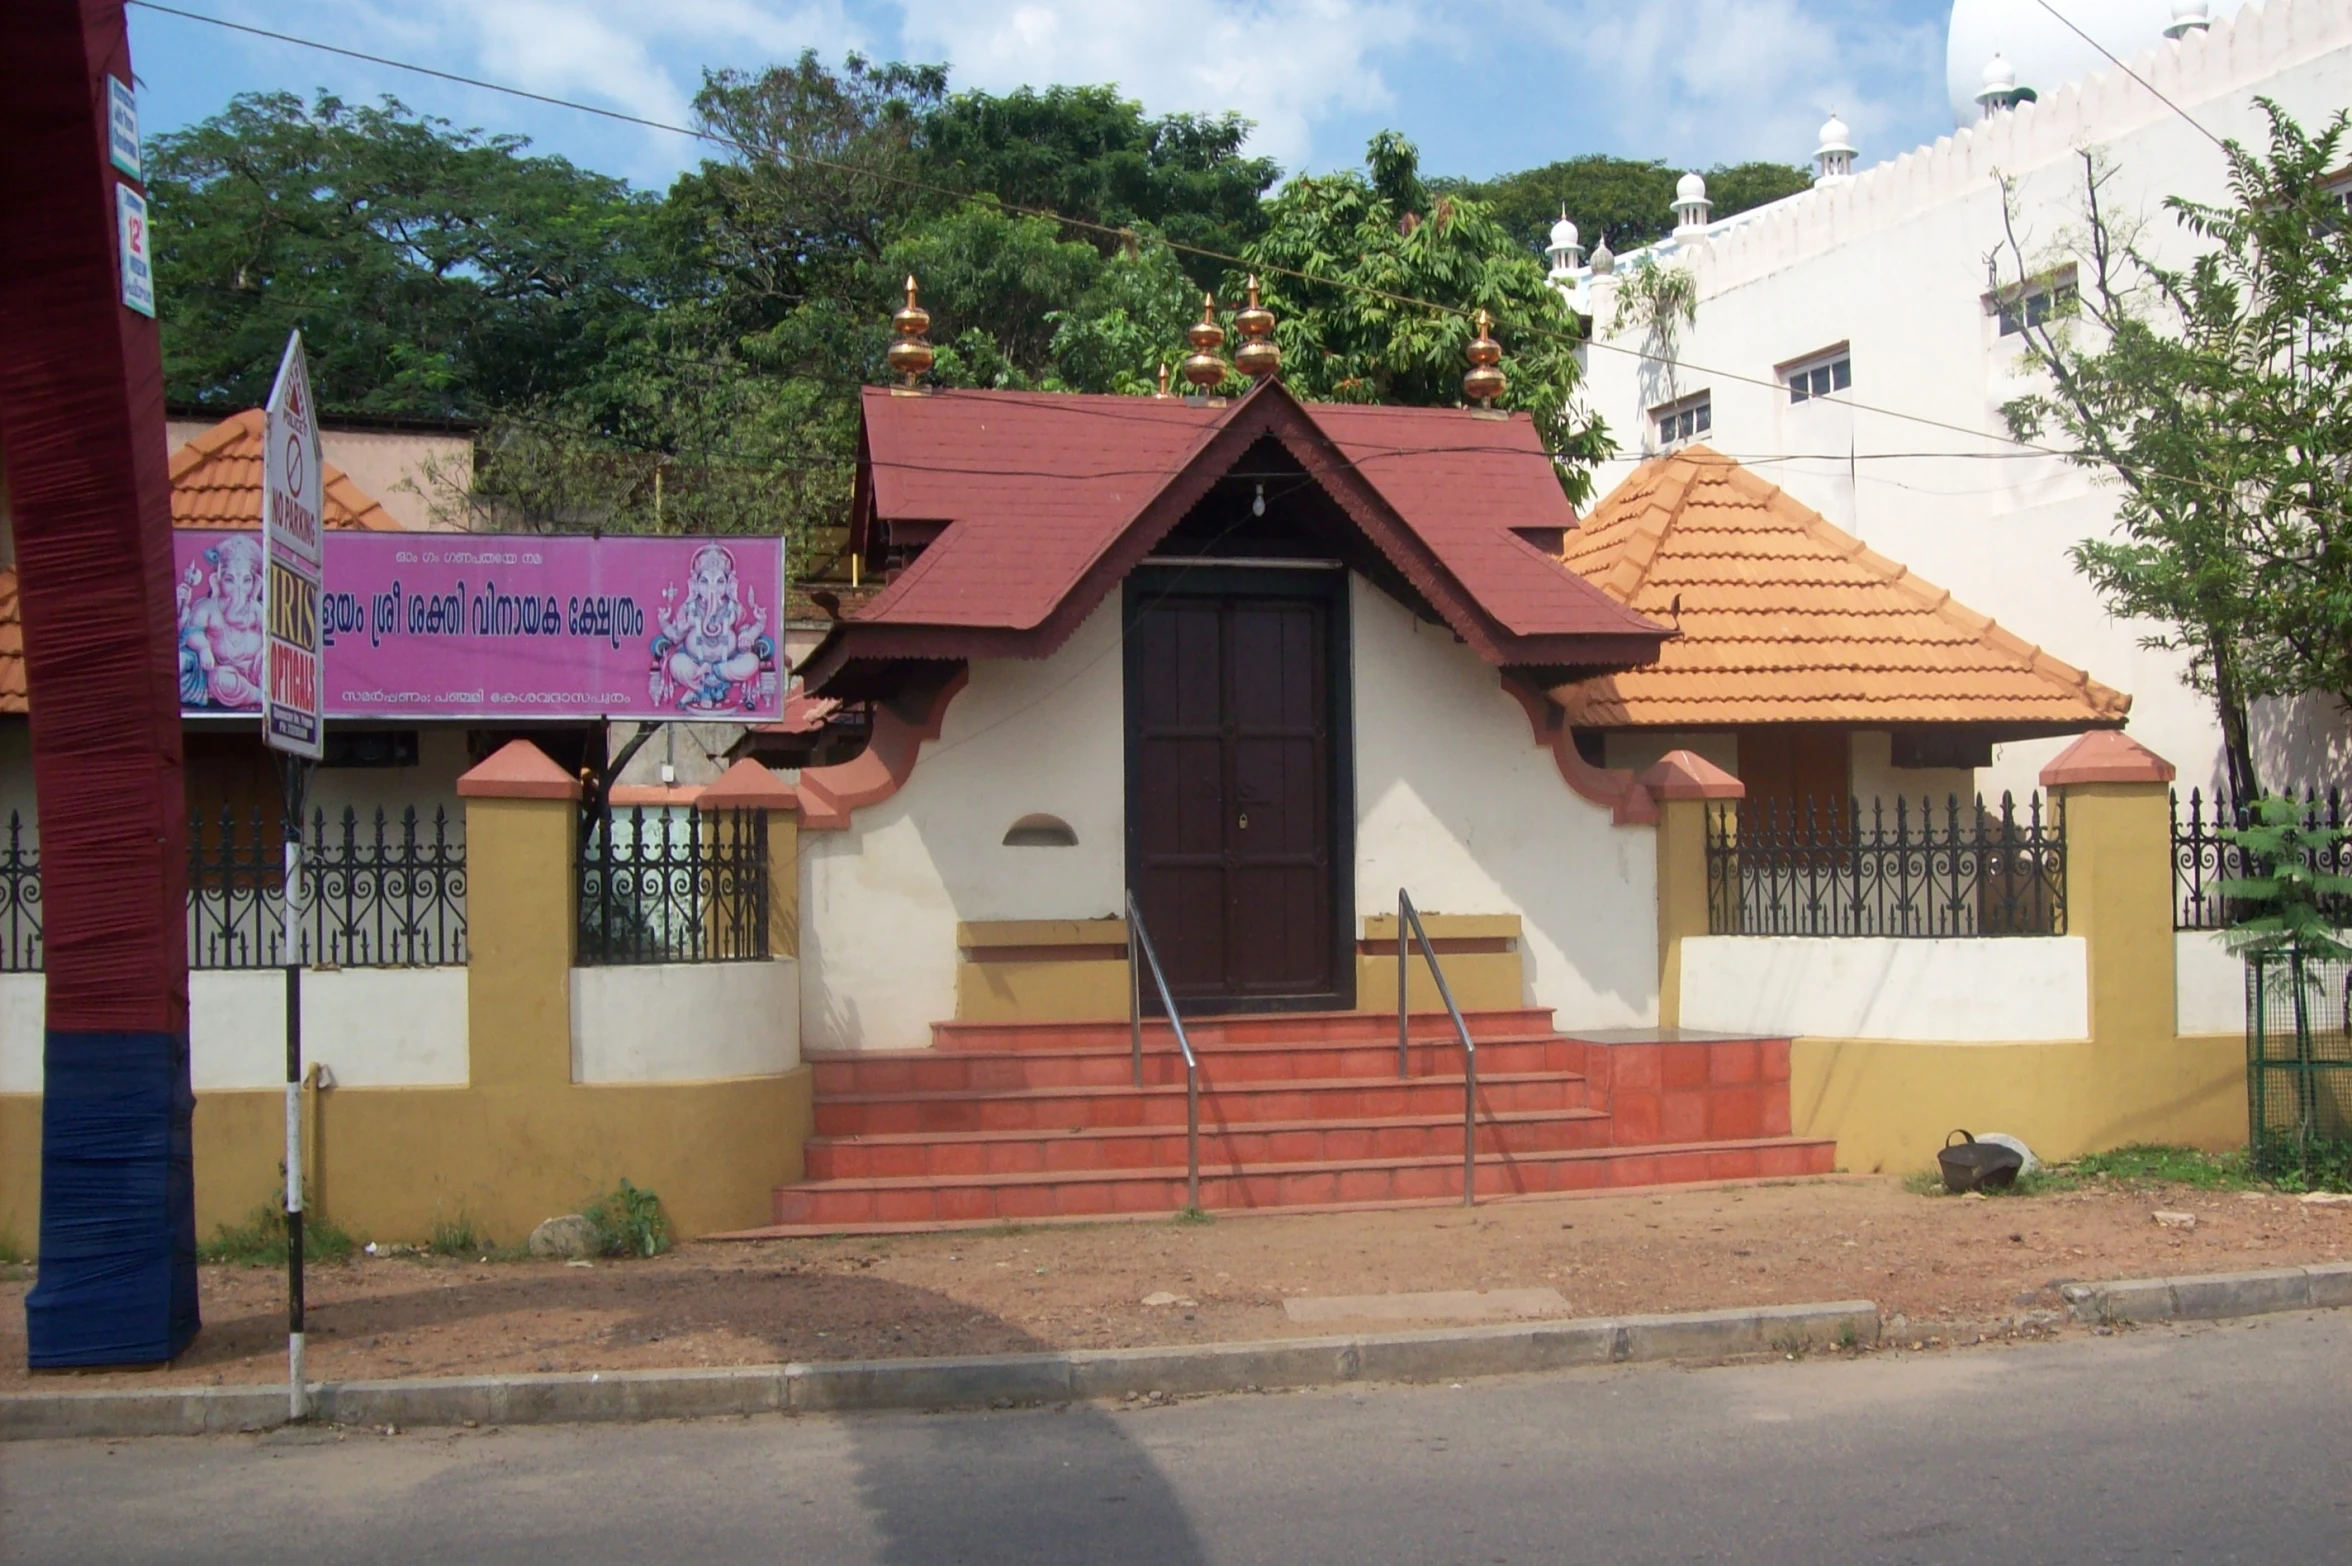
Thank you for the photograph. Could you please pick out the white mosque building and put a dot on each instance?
(1854, 343)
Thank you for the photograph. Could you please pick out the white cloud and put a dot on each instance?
(1287, 64)
(1730, 80)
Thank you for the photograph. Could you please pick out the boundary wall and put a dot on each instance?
(2075, 1044)
(502, 1093)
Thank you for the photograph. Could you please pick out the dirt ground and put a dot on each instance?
(1950, 1268)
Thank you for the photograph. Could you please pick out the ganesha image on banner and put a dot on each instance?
(711, 653)
(220, 627)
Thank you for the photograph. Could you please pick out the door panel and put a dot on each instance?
(1233, 793)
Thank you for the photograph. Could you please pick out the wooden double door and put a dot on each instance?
(1239, 806)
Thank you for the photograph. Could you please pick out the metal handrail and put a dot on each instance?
(1408, 916)
(1140, 938)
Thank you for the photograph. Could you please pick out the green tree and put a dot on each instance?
(1351, 331)
(433, 271)
(1628, 201)
(2216, 399)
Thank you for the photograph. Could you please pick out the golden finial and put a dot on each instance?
(1162, 393)
(1485, 381)
(1257, 357)
(1202, 367)
(910, 356)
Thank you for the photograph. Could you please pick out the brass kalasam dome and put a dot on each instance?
(1202, 367)
(910, 356)
(1257, 357)
(1485, 381)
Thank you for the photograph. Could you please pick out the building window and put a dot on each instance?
(2030, 303)
(1681, 422)
(1819, 376)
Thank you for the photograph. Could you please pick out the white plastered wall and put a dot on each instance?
(685, 1021)
(1894, 264)
(2011, 991)
(2208, 985)
(1457, 803)
(370, 1027)
(880, 900)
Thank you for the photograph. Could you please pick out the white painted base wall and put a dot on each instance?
(2030, 990)
(370, 1027)
(2208, 985)
(685, 1022)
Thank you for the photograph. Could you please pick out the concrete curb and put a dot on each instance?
(979, 1381)
(2212, 1296)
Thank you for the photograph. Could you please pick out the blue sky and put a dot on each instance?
(1482, 88)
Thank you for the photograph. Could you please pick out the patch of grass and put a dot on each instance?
(2042, 1182)
(2150, 1161)
(260, 1241)
(2320, 1165)
(460, 1236)
(628, 1221)
(1195, 1215)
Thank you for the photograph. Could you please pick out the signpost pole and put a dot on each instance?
(293, 723)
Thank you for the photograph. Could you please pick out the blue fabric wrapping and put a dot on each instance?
(118, 1203)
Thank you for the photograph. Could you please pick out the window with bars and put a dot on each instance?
(1681, 422)
(1832, 372)
(2031, 303)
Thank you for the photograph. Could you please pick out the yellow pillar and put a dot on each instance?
(2115, 796)
(522, 923)
(1686, 785)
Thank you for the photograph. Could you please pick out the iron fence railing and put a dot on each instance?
(2202, 858)
(1856, 868)
(378, 892)
(673, 885)
(20, 900)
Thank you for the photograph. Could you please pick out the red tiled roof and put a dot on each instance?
(216, 482)
(1048, 499)
(1786, 619)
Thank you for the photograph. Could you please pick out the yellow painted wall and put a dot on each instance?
(1891, 1104)
(20, 1169)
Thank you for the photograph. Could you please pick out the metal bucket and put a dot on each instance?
(1970, 1165)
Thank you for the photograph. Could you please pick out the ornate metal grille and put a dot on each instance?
(20, 901)
(673, 886)
(386, 894)
(1850, 868)
(2202, 858)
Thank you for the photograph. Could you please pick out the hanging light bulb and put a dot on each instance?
(1258, 506)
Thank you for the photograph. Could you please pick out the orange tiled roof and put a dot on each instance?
(1786, 619)
(12, 681)
(216, 482)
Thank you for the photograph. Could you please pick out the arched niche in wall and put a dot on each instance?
(1040, 831)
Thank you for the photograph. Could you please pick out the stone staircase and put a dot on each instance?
(1000, 1123)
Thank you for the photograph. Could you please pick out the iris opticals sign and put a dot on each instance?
(505, 628)
(138, 261)
(293, 511)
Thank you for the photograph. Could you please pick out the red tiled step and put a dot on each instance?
(1001, 1070)
(1257, 1027)
(1061, 1109)
(981, 1199)
(1223, 1147)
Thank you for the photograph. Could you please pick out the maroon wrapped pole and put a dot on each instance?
(82, 438)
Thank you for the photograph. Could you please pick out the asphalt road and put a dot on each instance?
(2208, 1445)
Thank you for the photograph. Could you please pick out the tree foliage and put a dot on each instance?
(1371, 245)
(2217, 399)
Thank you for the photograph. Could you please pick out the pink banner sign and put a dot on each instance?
(501, 628)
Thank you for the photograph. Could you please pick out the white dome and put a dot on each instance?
(2000, 75)
(1564, 235)
(1604, 260)
(1835, 136)
(2045, 55)
(1688, 189)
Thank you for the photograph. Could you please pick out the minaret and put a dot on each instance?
(2000, 90)
(1833, 160)
(1691, 207)
(2188, 16)
(1566, 250)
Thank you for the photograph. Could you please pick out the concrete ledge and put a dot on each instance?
(978, 1381)
(2212, 1296)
